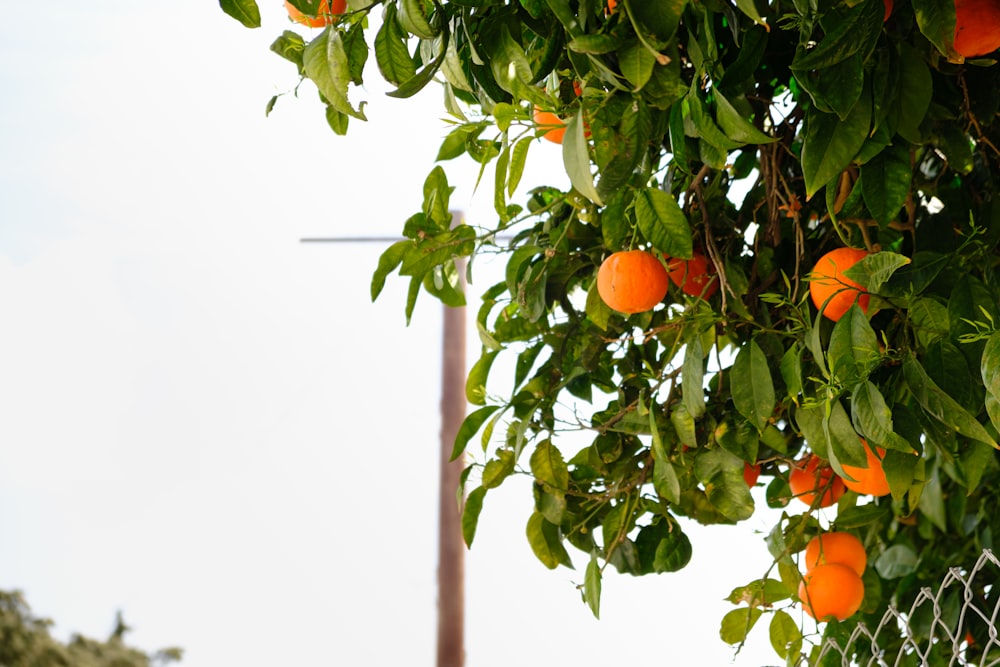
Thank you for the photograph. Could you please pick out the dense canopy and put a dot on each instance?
(817, 177)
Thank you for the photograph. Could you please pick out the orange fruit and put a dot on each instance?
(751, 473)
(552, 125)
(888, 10)
(871, 480)
(612, 5)
(831, 291)
(977, 27)
(632, 281)
(831, 590)
(328, 11)
(812, 477)
(836, 547)
(694, 276)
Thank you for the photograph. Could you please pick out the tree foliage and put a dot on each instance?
(25, 642)
(760, 134)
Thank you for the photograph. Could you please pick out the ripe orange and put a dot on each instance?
(552, 125)
(831, 291)
(831, 590)
(977, 27)
(694, 276)
(632, 281)
(751, 473)
(612, 5)
(836, 547)
(811, 477)
(871, 480)
(888, 10)
(328, 11)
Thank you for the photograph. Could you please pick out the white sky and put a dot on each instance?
(205, 423)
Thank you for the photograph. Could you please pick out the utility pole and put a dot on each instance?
(451, 544)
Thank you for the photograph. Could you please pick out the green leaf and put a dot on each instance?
(897, 561)
(244, 11)
(518, 159)
(391, 54)
(693, 377)
(500, 183)
(418, 81)
(735, 124)
(326, 62)
(860, 516)
(470, 426)
(760, 593)
(870, 414)
(425, 254)
(475, 384)
(736, 624)
(900, 471)
(665, 480)
(940, 405)
(414, 19)
(470, 514)
(749, 8)
(636, 63)
(853, 352)
(751, 385)
(976, 459)
(498, 469)
(791, 371)
(509, 64)
(387, 263)
(836, 88)
(829, 144)
(885, 182)
(658, 20)
(548, 466)
(705, 126)
(597, 311)
(936, 21)
(845, 444)
(916, 89)
(875, 269)
(721, 474)
(592, 586)
(290, 46)
(848, 33)
(576, 158)
(786, 638)
(673, 552)
(932, 504)
(930, 321)
(990, 368)
(437, 197)
(546, 543)
(663, 223)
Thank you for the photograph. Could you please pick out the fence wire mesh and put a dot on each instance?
(953, 625)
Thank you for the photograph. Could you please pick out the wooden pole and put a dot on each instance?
(451, 545)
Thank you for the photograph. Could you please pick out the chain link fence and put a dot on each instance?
(953, 625)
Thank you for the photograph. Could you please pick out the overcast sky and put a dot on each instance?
(204, 422)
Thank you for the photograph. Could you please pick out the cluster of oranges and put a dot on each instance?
(835, 561)
(831, 586)
(634, 281)
(814, 482)
(329, 10)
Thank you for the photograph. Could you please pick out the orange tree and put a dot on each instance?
(761, 135)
